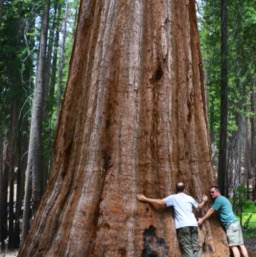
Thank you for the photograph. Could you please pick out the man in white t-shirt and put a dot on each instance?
(185, 221)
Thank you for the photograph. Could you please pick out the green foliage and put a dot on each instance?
(249, 206)
(249, 219)
(16, 62)
(240, 195)
(241, 70)
(241, 60)
(245, 210)
(19, 40)
(20, 28)
(209, 27)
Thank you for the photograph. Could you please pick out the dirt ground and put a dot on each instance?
(9, 254)
(249, 242)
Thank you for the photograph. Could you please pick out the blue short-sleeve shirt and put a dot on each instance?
(224, 208)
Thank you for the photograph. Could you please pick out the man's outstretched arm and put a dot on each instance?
(143, 198)
(206, 216)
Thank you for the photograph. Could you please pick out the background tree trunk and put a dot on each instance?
(133, 120)
(1, 12)
(222, 163)
(62, 60)
(13, 135)
(52, 101)
(254, 142)
(34, 165)
(248, 147)
(234, 157)
(3, 195)
(49, 98)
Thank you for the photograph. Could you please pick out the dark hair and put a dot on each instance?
(180, 187)
(216, 188)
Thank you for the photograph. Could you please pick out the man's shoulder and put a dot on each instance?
(183, 196)
(219, 201)
(173, 196)
(222, 198)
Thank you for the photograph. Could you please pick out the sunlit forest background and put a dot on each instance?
(36, 39)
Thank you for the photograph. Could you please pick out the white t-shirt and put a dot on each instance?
(183, 214)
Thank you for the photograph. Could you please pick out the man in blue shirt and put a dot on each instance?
(228, 219)
(185, 221)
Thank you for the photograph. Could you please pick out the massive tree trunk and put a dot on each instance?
(133, 120)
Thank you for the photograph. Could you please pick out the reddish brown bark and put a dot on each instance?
(133, 120)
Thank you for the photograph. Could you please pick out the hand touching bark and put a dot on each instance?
(205, 198)
(141, 197)
(200, 221)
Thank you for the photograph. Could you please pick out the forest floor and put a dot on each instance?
(9, 254)
(250, 244)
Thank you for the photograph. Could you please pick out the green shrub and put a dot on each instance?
(249, 206)
(240, 195)
(245, 210)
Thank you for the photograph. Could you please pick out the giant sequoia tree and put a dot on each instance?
(133, 120)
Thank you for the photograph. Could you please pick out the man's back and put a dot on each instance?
(183, 205)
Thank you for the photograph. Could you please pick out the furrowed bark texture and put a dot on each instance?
(133, 120)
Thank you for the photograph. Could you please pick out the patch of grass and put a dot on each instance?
(248, 219)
